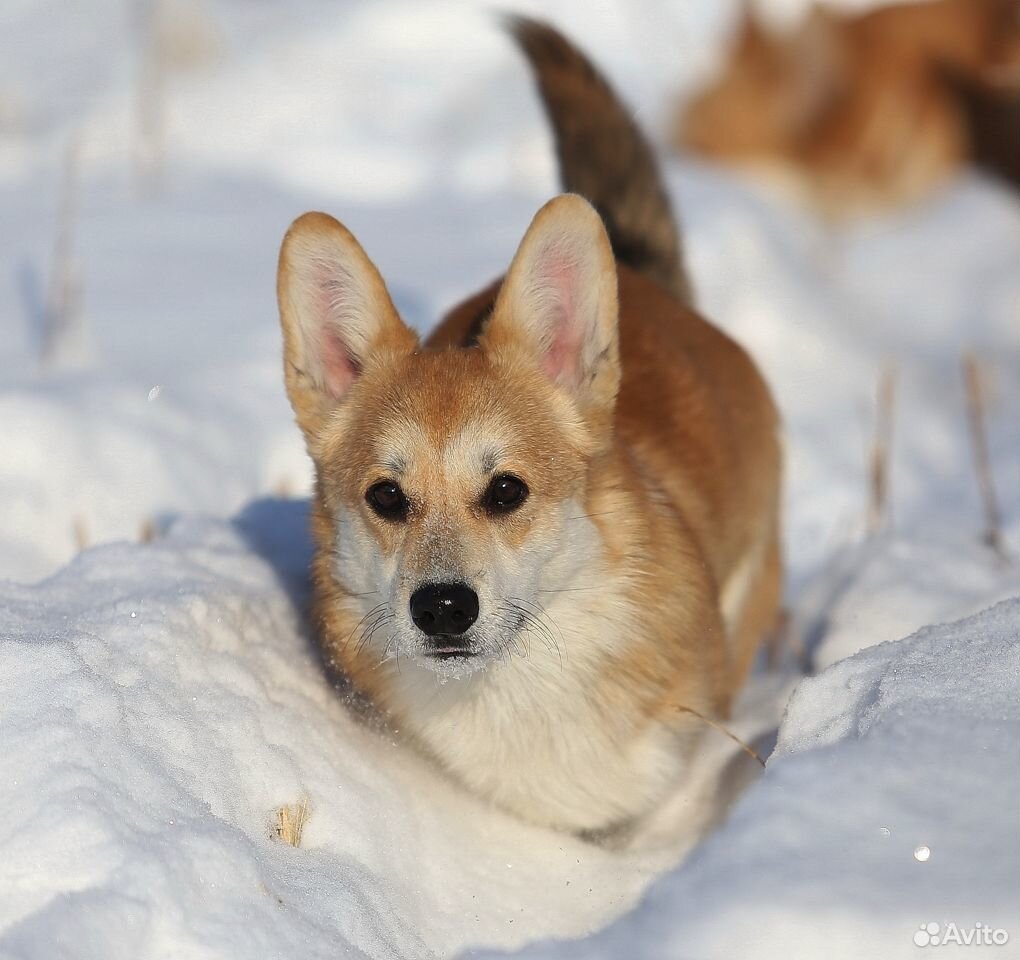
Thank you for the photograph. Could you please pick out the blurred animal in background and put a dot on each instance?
(865, 111)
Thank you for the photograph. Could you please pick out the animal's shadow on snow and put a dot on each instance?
(278, 530)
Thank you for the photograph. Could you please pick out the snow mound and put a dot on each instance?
(159, 703)
(869, 822)
(892, 585)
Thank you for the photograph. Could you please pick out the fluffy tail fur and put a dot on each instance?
(603, 155)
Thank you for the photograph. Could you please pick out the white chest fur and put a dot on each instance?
(532, 734)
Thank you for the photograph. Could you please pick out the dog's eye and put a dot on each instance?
(505, 493)
(388, 500)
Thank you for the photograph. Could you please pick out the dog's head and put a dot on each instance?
(450, 482)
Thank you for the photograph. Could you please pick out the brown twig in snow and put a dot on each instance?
(289, 822)
(80, 531)
(879, 458)
(716, 725)
(976, 421)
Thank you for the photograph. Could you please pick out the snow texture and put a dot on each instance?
(160, 704)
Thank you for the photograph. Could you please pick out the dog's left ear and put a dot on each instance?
(337, 318)
(558, 304)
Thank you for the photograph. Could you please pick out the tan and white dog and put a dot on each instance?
(551, 530)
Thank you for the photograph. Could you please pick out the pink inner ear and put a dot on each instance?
(338, 367)
(558, 276)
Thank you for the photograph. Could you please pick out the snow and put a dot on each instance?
(784, 13)
(159, 694)
(160, 702)
(892, 585)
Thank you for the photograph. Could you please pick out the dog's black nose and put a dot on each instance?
(444, 608)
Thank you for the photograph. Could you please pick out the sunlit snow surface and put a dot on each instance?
(160, 700)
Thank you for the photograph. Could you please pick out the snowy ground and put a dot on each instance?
(160, 699)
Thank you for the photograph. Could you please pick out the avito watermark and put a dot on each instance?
(934, 934)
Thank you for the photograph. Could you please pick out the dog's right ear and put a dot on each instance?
(558, 306)
(336, 314)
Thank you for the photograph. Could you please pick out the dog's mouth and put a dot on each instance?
(451, 648)
(459, 648)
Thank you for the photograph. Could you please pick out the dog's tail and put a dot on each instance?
(603, 155)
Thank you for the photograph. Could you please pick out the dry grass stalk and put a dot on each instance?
(151, 111)
(148, 531)
(177, 36)
(289, 822)
(283, 488)
(12, 114)
(879, 458)
(80, 531)
(186, 34)
(974, 383)
(716, 725)
(63, 329)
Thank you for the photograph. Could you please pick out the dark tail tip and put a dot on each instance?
(603, 155)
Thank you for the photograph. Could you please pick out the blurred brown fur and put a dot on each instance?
(872, 110)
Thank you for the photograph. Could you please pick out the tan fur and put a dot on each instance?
(651, 453)
(863, 110)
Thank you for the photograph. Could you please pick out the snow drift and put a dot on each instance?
(159, 703)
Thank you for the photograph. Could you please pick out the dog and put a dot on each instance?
(863, 112)
(548, 538)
